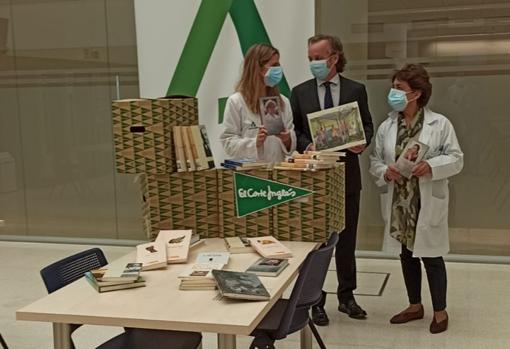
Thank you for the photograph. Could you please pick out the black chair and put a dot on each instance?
(67, 270)
(2, 342)
(290, 315)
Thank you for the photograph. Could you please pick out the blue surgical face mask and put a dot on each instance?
(397, 99)
(273, 76)
(319, 69)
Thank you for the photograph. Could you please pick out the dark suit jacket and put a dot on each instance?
(304, 99)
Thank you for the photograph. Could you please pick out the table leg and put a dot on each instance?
(306, 338)
(226, 341)
(62, 336)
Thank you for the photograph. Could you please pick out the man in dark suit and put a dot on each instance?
(326, 90)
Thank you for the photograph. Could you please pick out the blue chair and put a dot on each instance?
(290, 315)
(72, 268)
(2, 342)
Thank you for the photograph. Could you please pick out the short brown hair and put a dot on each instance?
(336, 48)
(418, 79)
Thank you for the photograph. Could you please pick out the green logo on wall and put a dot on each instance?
(202, 38)
(254, 194)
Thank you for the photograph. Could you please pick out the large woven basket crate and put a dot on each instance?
(312, 218)
(187, 200)
(142, 132)
(252, 225)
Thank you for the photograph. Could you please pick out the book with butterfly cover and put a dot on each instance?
(152, 255)
(177, 244)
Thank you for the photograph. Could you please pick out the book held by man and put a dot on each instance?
(337, 128)
(268, 266)
(270, 247)
(177, 244)
(240, 285)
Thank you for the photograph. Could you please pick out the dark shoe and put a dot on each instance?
(406, 316)
(319, 316)
(438, 327)
(352, 309)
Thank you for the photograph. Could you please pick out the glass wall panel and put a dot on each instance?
(12, 194)
(465, 46)
(66, 57)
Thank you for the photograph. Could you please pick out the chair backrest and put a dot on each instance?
(307, 290)
(67, 270)
(2, 342)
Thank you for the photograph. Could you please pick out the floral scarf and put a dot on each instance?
(405, 206)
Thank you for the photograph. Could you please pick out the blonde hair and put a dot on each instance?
(251, 85)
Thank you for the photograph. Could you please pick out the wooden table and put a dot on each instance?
(161, 305)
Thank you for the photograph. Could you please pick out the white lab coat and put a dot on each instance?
(241, 126)
(445, 159)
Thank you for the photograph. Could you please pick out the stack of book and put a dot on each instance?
(116, 277)
(268, 266)
(199, 275)
(192, 148)
(245, 164)
(310, 161)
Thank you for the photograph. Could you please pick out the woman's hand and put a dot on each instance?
(261, 136)
(285, 137)
(392, 174)
(421, 169)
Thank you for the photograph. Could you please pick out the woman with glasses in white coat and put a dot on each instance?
(415, 209)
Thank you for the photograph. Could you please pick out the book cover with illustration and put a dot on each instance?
(177, 244)
(240, 285)
(268, 266)
(411, 155)
(270, 247)
(152, 255)
(271, 112)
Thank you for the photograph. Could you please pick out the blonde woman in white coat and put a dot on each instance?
(244, 136)
(415, 210)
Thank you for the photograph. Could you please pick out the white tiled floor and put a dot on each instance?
(478, 305)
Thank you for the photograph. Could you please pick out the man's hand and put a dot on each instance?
(261, 136)
(357, 149)
(392, 174)
(421, 169)
(285, 137)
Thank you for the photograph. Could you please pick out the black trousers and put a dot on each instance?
(436, 276)
(344, 252)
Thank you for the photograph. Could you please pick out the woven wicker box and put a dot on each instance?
(252, 225)
(186, 200)
(142, 132)
(314, 217)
